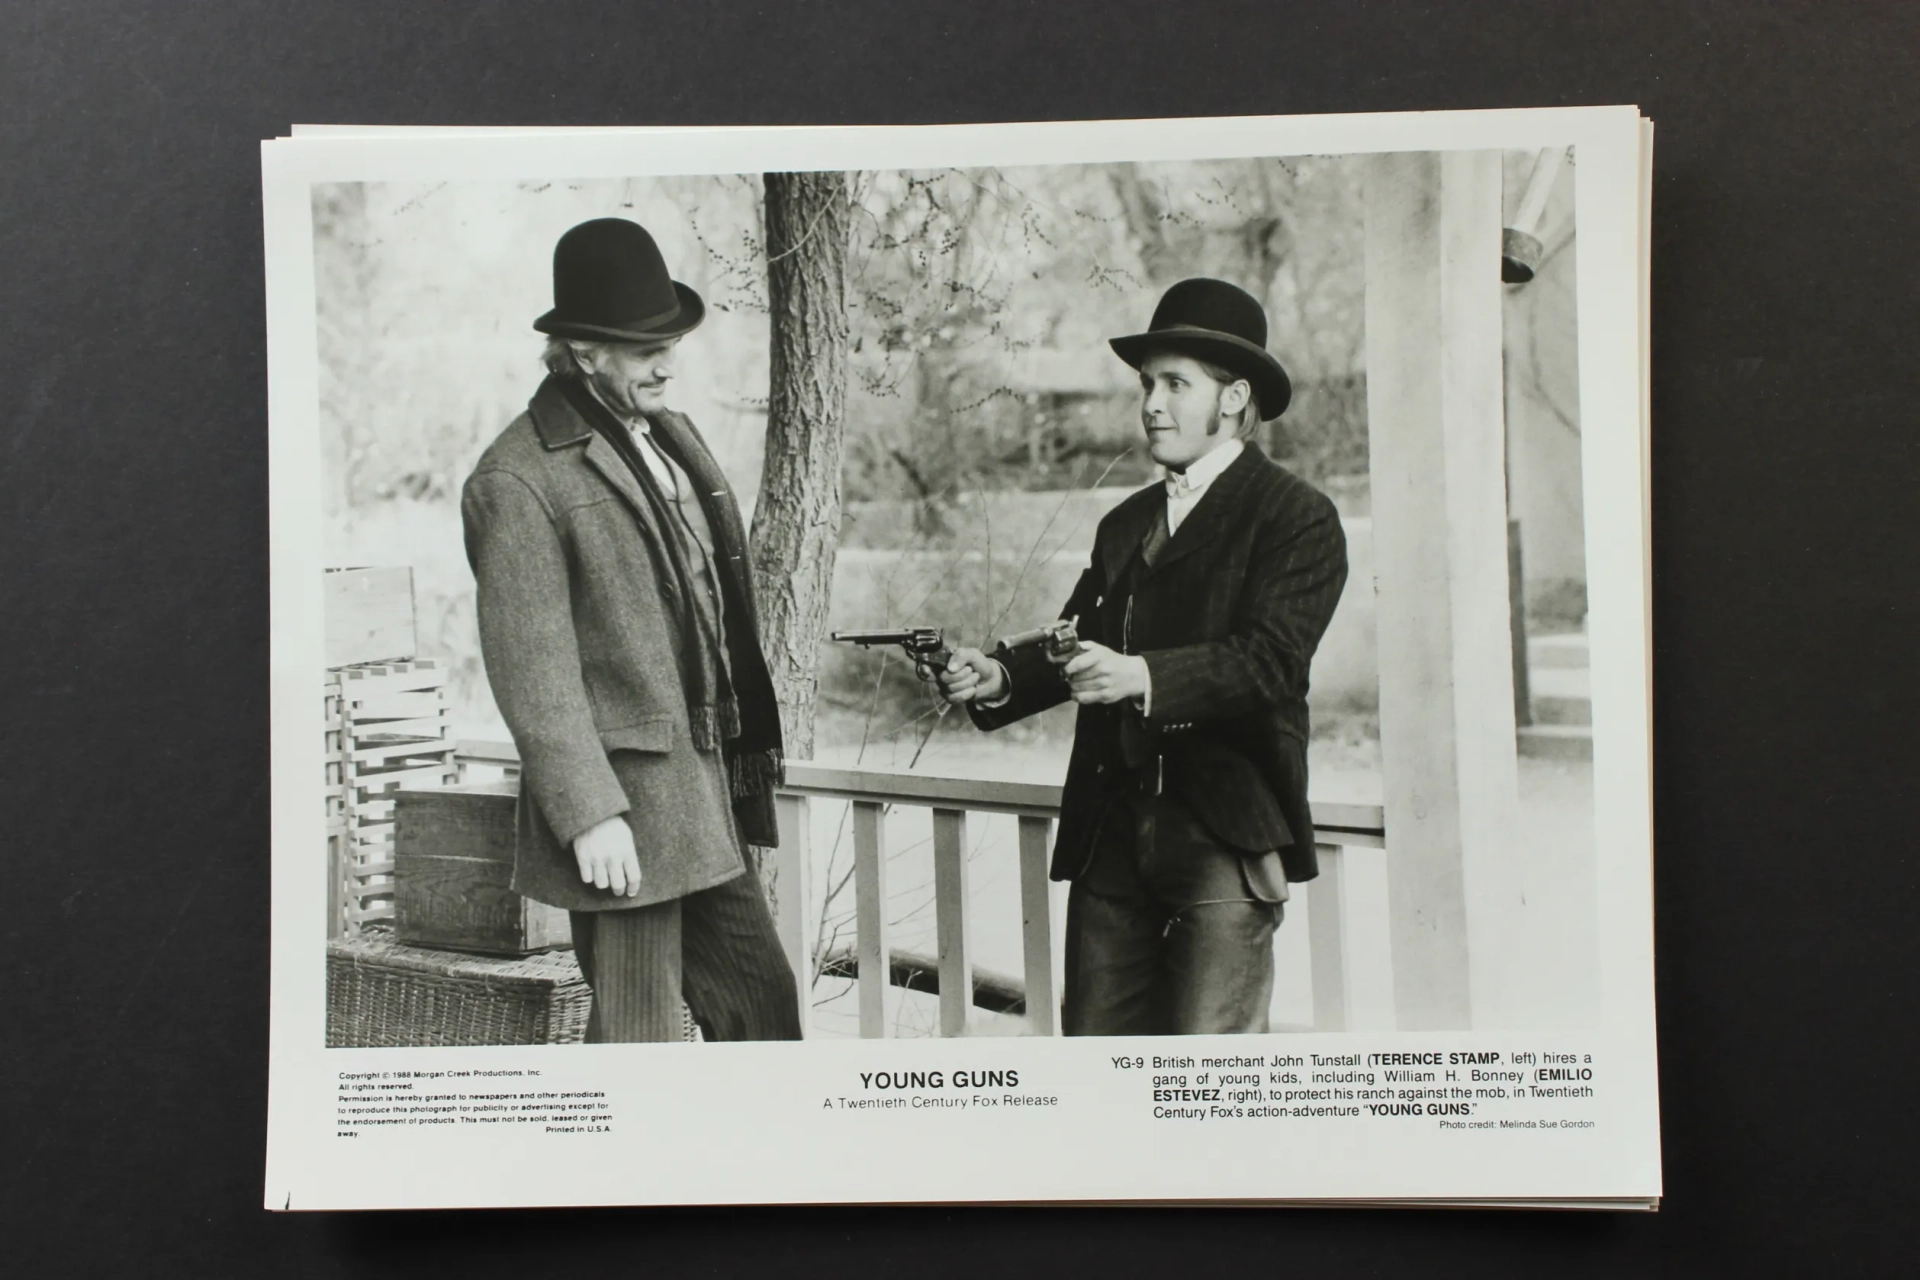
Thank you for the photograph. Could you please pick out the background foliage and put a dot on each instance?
(982, 397)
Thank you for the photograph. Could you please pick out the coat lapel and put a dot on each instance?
(614, 470)
(560, 426)
(557, 421)
(683, 443)
(1216, 508)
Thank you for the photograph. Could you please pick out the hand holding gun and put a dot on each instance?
(1061, 640)
(926, 648)
(972, 676)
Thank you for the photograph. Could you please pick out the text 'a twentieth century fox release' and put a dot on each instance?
(1457, 1088)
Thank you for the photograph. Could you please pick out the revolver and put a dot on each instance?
(925, 646)
(1060, 639)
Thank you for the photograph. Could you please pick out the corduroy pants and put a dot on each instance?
(716, 949)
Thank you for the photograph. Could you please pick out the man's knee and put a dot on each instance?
(759, 1001)
(1113, 966)
(1222, 967)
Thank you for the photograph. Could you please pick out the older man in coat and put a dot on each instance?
(617, 624)
(1185, 809)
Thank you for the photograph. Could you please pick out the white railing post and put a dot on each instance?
(787, 885)
(950, 918)
(1036, 927)
(1035, 806)
(1327, 941)
(870, 917)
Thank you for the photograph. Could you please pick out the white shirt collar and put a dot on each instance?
(1203, 471)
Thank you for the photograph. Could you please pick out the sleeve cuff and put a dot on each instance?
(1006, 678)
(582, 818)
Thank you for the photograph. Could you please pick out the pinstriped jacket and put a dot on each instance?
(1228, 618)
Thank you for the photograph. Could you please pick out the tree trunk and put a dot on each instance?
(796, 526)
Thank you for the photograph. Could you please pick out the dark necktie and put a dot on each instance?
(1156, 540)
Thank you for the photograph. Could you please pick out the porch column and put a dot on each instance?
(1435, 428)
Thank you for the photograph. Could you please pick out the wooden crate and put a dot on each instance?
(369, 616)
(386, 728)
(453, 868)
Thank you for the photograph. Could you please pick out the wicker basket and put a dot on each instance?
(383, 993)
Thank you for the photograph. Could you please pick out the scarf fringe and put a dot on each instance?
(756, 774)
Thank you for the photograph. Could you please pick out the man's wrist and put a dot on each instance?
(595, 826)
(1006, 690)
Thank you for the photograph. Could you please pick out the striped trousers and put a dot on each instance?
(716, 949)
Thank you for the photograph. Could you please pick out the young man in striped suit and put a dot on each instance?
(1185, 815)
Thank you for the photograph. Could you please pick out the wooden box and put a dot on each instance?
(452, 871)
(369, 616)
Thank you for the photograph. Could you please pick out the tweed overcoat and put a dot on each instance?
(1228, 618)
(577, 614)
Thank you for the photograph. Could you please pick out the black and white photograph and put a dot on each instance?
(888, 439)
(1030, 638)
(1119, 598)
(959, 638)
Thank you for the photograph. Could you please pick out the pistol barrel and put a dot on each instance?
(1021, 639)
(913, 639)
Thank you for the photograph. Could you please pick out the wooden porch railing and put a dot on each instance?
(873, 793)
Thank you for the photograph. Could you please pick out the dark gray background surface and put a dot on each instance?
(133, 593)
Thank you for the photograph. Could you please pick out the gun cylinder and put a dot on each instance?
(1021, 639)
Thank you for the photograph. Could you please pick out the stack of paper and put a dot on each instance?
(1312, 864)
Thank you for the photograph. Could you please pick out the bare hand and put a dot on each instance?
(972, 676)
(606, 857)
(1098, 674)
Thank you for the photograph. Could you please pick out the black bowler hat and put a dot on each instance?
(1221, 324)
(610, 284)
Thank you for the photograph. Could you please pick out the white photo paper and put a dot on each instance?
(1075, 662)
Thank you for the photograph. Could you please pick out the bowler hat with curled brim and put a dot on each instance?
(1220, 323)
(610, 284)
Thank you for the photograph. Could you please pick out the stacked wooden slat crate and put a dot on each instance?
(390, 723)
(386, 728)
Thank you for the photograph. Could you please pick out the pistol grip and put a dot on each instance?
(928, 664)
